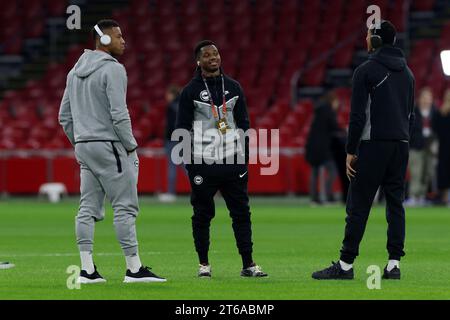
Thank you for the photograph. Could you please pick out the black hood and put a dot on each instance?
(391, 57)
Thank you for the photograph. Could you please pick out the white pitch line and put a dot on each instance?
(106, 254)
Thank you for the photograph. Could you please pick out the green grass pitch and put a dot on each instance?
(291, 240)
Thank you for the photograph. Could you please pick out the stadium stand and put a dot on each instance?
(262, 44)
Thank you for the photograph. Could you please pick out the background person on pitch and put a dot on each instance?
(318, 149)
(441, 126)
(211, 97)
(381, 119)
(95, 118)
(421, 155)
(173, 99)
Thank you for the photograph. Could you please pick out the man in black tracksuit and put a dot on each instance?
(213, 102)
(381, 119)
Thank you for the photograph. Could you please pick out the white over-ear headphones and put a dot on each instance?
(198, 63)
(104, 38)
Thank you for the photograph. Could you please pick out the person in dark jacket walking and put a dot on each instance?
(441, 126)
(381, 118)
(421, 155)
(172, 98)
(318, 148)
(212, 106)
(338, 142)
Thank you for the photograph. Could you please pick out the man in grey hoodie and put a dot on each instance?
(95, 118)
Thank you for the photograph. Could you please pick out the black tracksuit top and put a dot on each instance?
(194, 105)
(195, 90)
(382, 104)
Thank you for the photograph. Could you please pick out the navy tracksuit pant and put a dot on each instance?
(231, 181)
(379, 163)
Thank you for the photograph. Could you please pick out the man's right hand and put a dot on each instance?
(350, 165)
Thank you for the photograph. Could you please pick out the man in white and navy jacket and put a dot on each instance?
(214, 102)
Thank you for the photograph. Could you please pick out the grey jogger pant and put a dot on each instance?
(107, 170)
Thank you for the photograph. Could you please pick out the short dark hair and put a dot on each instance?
(173, 89)
(386, 31)
(104, 24)
(200, 45)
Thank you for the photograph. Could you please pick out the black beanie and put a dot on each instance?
(387, 32)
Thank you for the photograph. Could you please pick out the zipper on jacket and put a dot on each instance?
(381, 82)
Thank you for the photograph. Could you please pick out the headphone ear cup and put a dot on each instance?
(198, 63)
(376, 41)
(105, 40)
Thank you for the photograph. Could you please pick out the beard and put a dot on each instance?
(117, 53)
(210, 69)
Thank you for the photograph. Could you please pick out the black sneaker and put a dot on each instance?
(86, 278)
(394, 274)
(143, 275)
(316, 202)
(253, 271)
(335, 272)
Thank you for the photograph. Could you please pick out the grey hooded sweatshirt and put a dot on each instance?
(93, 107)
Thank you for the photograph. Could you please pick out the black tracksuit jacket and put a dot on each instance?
(195, 91)
(382, 104)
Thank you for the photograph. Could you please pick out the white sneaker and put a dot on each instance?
(204, 271)
(84, 280)
(253, 271)
(167, 197)
(6, 265)
(411, 202)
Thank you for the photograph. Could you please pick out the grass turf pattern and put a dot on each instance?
(291, 240)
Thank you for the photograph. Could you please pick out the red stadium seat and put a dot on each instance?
(343, 56)
(314, 76)
(13, 46)
(215, 8)
(56, 7)
(38, 28)
(419, 70)
(139, 7)
(423, 5)
(262, 45)
(10, 10)
(241, 9)
(32, 10)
